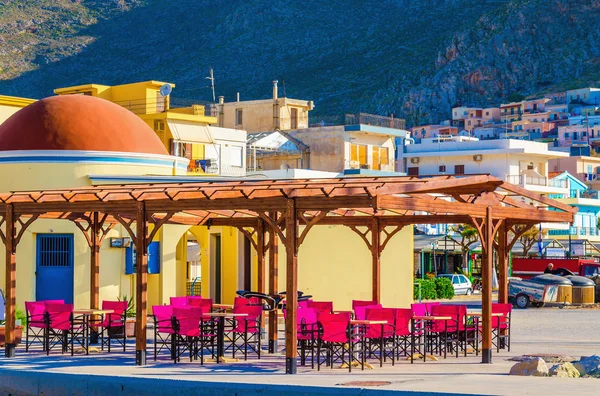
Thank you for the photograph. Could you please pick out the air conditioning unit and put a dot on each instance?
(477, 158)
(414, 160)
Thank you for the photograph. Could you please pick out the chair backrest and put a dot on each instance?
(179, 301)
(321, 306)
(35, 310)
(247, 301)
(59, 315)
(193, 301)
(306, 316)
(118, 307)
(334, 326)
(188, 319)
(455, 312)
(252, 320)
(361, 310)
(502, 321)
(375, 312)
(204, 303)
(430, 305)
(303, 303)
(403, 321)
(54, 301)
(419, 309)
(163, 315)
(362, 303)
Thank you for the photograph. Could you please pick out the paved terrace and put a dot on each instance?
(548, 330)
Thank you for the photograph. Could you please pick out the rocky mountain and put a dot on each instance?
(413, 58)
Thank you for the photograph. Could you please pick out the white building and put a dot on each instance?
(584, 95)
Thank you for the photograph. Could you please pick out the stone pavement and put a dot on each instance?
(572, 332)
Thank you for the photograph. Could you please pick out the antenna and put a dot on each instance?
(211, 77)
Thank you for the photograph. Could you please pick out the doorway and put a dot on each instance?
(54, 270)
(215, 266)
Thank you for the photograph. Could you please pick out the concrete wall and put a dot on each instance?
(327, 147)
(257, 115)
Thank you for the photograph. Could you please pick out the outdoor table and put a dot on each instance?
(363, 324)
(222, 307)
(86, 314)
(221, 330)
(424, 319)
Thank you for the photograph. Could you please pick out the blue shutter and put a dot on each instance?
(153, 259)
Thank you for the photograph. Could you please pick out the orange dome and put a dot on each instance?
(78, 122)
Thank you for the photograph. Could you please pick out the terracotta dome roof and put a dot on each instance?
(78, 122)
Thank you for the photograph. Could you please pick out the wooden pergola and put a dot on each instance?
(270, 210)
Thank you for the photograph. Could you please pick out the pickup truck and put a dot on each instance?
(526, 268)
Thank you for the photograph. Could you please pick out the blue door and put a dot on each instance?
(54, 267)
(153, 259)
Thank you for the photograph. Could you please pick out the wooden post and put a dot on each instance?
(260, 259)
(11, 283)
(486, 298)
(94, 263)
(291, 292)
(376, 260)
(141, 261)
(503, 264)
(273, 281)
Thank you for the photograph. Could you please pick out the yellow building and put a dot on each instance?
(9, 105)
(276, 114)
(75, 141)
(185, 131)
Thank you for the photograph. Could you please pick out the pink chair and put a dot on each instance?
(419, 309)
(360, 311)
(501, 326)
(247, 329)
(445, 334)
(381, 338)
(362, 303)
(163, 329)
(404, 332)
(35, 323)
(179, 301)
(430, 305)
(62, 328)
(303, 303)
(205, 303)
(186, 326)
(321, 306)
(335, 332)
(307, 333)
(112, 326)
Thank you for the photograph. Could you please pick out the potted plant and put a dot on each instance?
(20, 320)
(130, 316)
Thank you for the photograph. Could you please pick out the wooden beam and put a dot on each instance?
(273, 282)
(260, 253)
(486, 274)
(10, 288)
(141, 284)
(376, 260)
(503, 264)
(95, 262)
(291, 296)
(538, 197)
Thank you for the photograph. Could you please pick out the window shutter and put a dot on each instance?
(154, 258)
(129, 261)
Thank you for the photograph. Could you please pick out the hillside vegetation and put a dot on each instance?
(413, 58)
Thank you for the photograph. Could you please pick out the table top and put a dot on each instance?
(224, 314)
(432, 317)
(223, 306)
(496, 314)
(92, 311)
(368, 322)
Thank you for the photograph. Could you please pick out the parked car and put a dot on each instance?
(461, 284)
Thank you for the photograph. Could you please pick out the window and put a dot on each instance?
(442, 168)
(376, 159)
(55, 250)
(236, 156)
(589, 169)
(294, 119)
(487, 113)
(583, 134)
(384, 156)
(413, 171)
(239, 117)
(566, 135)
(459, 169)
(358, 153)
(159, 126)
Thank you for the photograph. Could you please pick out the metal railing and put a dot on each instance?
(358, 118)
(576, 231)
(523, 180)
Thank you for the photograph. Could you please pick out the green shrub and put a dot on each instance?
(428, 291)
(444, 288)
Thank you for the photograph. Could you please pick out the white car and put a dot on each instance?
(461, 284)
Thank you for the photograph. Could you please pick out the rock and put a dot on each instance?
(588, 364)
(535, 367)
(564, 370)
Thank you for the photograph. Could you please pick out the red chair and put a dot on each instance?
(501, 326)
(187, 324)
(335, 332)
(163, 329)
(380, 339)
(362, 303)
(247, 329)
(35, 324)
(178, 301)
(429, 306)
(112, 326)
(306, 320)
(321, 306)
(445, 334)
(198, 302)
(404, 333)
(360, 312)
(62, 328)
(419, 309)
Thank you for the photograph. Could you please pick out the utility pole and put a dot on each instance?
(211, 77)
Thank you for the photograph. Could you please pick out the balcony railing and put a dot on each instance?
(576, 231)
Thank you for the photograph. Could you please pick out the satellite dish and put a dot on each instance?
(165, 90)
(284, 167)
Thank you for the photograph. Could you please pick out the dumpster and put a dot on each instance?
(583, 289)
(564, 287)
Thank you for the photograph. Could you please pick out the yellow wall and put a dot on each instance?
(257, 115)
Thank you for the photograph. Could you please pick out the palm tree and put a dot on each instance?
(468, 237)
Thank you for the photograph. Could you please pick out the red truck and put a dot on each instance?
(527, 268)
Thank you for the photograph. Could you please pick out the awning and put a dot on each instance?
(190, 132)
